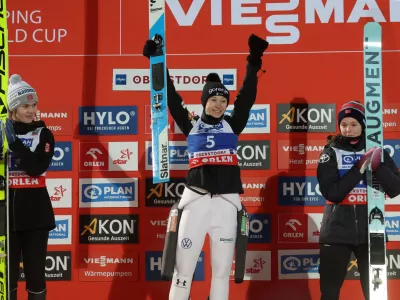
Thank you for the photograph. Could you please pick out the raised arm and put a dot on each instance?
(248, 92)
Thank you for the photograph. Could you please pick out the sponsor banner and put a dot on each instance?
(57, 268)
(257, 266)
(156, 228)
(153, 267)
(111, 156)
(298, 155)
(391, 118)
(183, 79)
(108, 192)
(164, 194)
(259, 228)
(392, 264)
(57, 118)
(299, 191)
(178, 155)
(60, 192)
(306, 117)
(298, 264)
(254, 155)
(61, 235)
(299, 227)
(105, 264)
(108, 229)
(62, 158)
(255, 191)
(392, 224)
(108, 120)
(393, 148)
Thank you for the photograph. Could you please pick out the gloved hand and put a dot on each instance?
(257, 47)
(365, 160)
(10, 134)
(149, 48)
(376, 159)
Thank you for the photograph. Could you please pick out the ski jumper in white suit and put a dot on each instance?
(210, 201)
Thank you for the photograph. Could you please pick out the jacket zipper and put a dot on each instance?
(15, 229)
(356, 223)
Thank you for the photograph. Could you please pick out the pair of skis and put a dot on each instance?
(158, 93)
(374, 137)
(4, 278)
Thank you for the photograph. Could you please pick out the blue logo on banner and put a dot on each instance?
(393, 148)
(153, 266)
(62, 158)
(258, 118)
(61, 230)
(178, 155)
(120, 79)
(108, 120)
(392, 225)
(228, 79)
(260, 228)
(100, 192)
(349, 160)
(299, 191)
(299, 264)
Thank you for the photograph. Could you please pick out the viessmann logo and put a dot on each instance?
(284, 16)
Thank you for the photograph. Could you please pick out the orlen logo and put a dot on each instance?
(103, 261)
(281, 19)
(292, 223)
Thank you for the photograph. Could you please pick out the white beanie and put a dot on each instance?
(20, 93)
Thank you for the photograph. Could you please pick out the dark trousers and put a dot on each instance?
(334, 259)
(33, 246)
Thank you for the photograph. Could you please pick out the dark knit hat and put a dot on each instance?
(352, 109)
(213, 87)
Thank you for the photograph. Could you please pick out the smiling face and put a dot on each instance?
(350, 127)
(25, 113)
(216, 106)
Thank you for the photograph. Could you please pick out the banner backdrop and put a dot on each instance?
(84, 59)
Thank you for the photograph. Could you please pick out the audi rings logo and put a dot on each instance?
(186, 243)
(92, 192)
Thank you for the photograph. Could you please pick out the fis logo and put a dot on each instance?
(107, 120)
(228, 79)
(120, 79)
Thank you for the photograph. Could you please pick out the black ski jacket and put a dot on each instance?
(30, 208)
(217, 179)
(348, 224)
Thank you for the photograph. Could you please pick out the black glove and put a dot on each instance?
(257, 47)
(150, 48)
